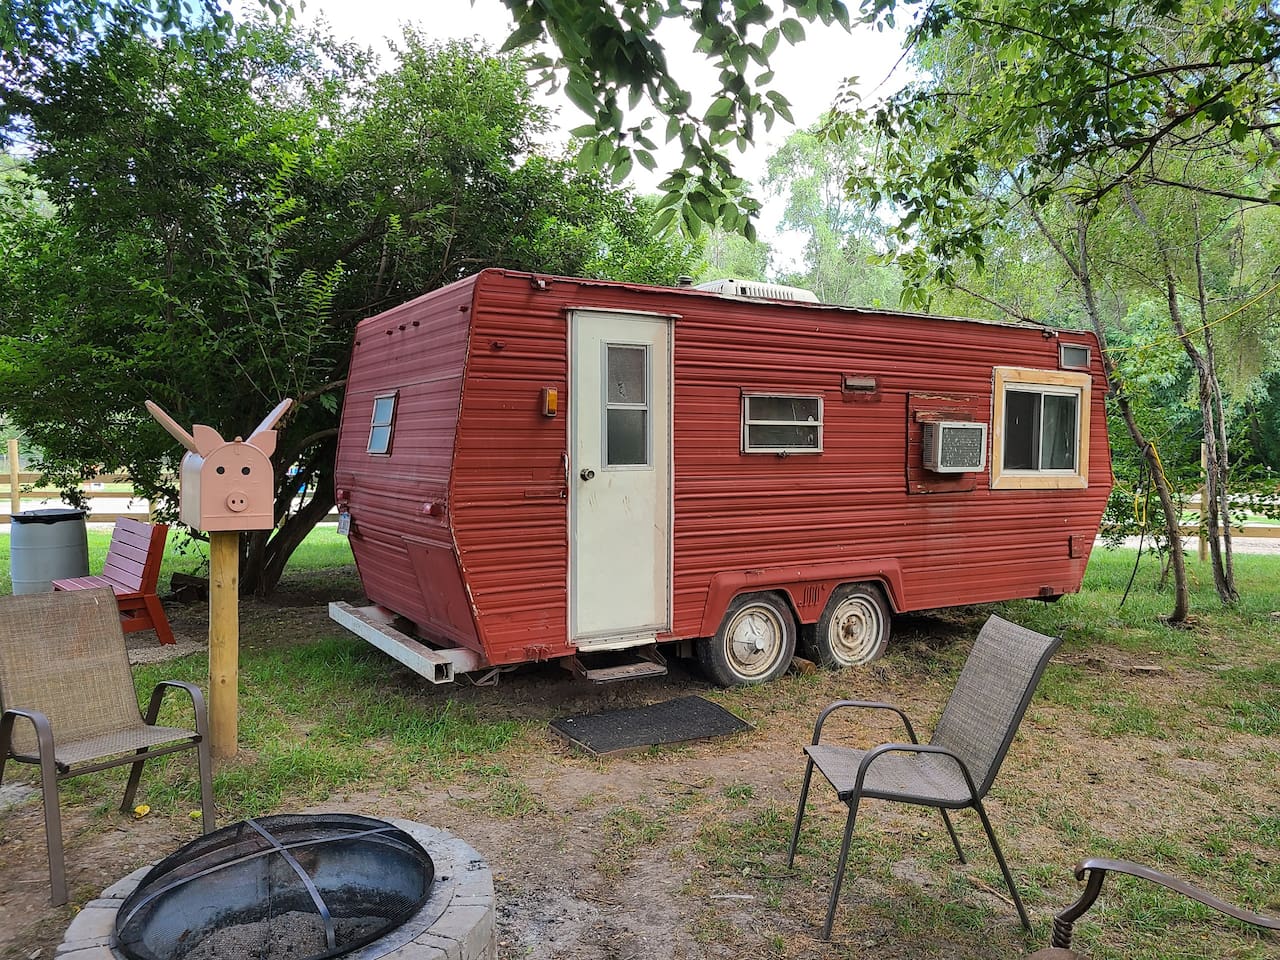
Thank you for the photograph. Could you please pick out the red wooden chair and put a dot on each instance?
(132, 570)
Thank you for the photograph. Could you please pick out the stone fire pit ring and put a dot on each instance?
(456, 922)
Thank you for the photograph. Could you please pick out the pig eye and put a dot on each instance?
(245, 471)
(222, 469)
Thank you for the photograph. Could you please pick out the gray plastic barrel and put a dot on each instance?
(47, 545)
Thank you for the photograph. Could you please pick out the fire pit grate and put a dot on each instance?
(286, 887)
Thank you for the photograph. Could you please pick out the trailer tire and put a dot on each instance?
(853, 629)
(755, 642)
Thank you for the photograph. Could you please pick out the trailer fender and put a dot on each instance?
(806, 586)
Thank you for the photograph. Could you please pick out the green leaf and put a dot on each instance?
(524, 33)
(722, 107)
(792, 30)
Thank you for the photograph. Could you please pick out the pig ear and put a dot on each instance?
(207, 439)
(264, 440)
(171, 425)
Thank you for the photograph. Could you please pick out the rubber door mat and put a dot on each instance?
(612, 732)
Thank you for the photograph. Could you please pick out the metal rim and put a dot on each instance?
(754, 640)
(855, 631)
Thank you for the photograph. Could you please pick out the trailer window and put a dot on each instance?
(626, 419)
(1043, 421)
(780, 424)
(384, 415)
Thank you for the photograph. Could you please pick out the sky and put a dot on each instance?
(808, 74)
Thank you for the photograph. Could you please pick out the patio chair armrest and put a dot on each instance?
(1094, 871)
(197, 703)
(44, 734)
(864, 705)
(873, 755)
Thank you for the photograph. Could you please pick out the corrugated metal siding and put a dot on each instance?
(403, 553)
(736, 512)
(508, 499)
(733, 512)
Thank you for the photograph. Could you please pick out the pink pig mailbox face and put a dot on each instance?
(226, 484)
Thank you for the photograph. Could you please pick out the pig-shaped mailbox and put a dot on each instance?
(226, 485)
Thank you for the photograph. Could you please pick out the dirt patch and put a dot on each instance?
(680, 853)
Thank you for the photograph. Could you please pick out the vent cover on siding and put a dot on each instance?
(954, 446)
(756, 290)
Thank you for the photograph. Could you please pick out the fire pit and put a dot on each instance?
(278, 888)
(298, 888)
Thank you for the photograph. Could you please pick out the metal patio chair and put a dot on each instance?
(957, 767)
(1094, 872)
(69, 704)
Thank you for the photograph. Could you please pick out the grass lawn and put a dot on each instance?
(322, 550)
(1145, 742)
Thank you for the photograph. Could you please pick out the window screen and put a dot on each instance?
(781, 424)
(384, 414)
(626, 415)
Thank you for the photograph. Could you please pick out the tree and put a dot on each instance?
(731, 255)
(844, 241)
(227, 205)
(606, 57)
(1083, 122)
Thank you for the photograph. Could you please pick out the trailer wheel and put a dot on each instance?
(853, 629)
(755, 642)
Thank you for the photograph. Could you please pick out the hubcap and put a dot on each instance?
(856, 631)
(755, 640)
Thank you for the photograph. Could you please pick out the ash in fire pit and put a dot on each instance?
(278, 888)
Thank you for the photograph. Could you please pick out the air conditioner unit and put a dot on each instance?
(954, 446)
(758, 290)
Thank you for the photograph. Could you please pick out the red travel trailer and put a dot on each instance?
(534, 467)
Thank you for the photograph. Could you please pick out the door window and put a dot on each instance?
(626, 418)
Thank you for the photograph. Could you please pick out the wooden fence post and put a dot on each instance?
(15, 490)
(224, 642)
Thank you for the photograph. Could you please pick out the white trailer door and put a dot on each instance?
(620, 478)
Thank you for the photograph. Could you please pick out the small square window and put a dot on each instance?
(384, 415)
(1074, 356)
(781, 424)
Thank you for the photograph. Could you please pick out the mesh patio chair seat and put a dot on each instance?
(69, 704)
(1094, 872)
(959, 764)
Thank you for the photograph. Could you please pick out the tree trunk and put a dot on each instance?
(1222, 466)
(294, 530)
(266, 552)
(1115, 388)
(1215, 452)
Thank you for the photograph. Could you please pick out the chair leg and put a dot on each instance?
(955, 841)
(844, 859)
(6, 732)
(1004, 868)
(53, 829)
(155, 610)
(795, 832)
(131, 788)
(207, 813)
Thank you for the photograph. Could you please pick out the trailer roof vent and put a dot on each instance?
(756, 290)
(954, 446)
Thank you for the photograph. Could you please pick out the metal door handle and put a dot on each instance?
(587, 474)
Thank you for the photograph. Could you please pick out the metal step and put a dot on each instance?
(612, 668)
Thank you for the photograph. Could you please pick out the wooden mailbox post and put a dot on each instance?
(225, 487)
